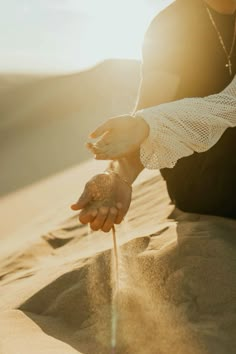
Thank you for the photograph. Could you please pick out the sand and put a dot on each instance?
(45, 121)
(177, 275)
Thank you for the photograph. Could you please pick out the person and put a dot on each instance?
(189, 51)
(168, 132)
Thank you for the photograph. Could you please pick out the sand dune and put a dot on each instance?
(10, 81)
(177, 275)
(45, 121)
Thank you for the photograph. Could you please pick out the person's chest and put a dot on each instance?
(206, 56)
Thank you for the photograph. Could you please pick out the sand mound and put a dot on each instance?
(177, 278)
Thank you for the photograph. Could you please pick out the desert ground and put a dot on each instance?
(177, 275)
(45, 120)
(177, 271)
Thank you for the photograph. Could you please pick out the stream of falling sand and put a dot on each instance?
(114, 309)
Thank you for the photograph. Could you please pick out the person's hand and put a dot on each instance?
(119, 136)
(104, 202)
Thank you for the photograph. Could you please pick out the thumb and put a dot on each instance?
(84, 199)
(101, 129)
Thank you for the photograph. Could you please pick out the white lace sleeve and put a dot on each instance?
(179, 128)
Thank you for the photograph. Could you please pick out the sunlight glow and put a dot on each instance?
(67, 35)
(116, 29)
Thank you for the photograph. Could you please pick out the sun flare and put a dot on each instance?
(115, 29)
(64, 35)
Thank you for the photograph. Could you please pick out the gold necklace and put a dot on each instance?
(228, 54)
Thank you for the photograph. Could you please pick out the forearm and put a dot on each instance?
(190, 125)
(155, 88)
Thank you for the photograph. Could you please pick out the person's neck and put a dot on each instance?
(222, 6)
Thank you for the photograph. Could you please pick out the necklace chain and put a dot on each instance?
(228, 54)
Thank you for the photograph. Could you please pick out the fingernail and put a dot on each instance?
(113, 211)
(119, 205)
(103, 210)
(94, 213)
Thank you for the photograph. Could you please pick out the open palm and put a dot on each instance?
(104, 202)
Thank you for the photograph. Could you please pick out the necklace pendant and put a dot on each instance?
(229, 65)
(228, 54)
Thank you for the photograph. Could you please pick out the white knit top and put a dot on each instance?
(179, 128)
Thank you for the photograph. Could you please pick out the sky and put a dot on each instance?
(70, 35)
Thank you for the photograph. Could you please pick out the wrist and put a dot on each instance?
(113, 173)
(128, 167)
(142, 126)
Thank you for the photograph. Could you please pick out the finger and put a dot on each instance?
(101, 129)
(105, 140)
(94, 148)
(98, 153)
(104, 144)
(87, 216)
(110, 220)
(91, 147)
(109, 151)
(107, 155)
(81, 203)
(102, 157)
(121, 213)
(98, 222)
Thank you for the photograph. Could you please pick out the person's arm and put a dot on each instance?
(170, 131)
(157, 85)
(122, 136)
(130, 166)
(161, 70)
(179, 128)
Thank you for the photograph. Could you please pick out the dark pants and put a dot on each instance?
(205, 183)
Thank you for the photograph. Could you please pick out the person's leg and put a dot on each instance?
(205, 183)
